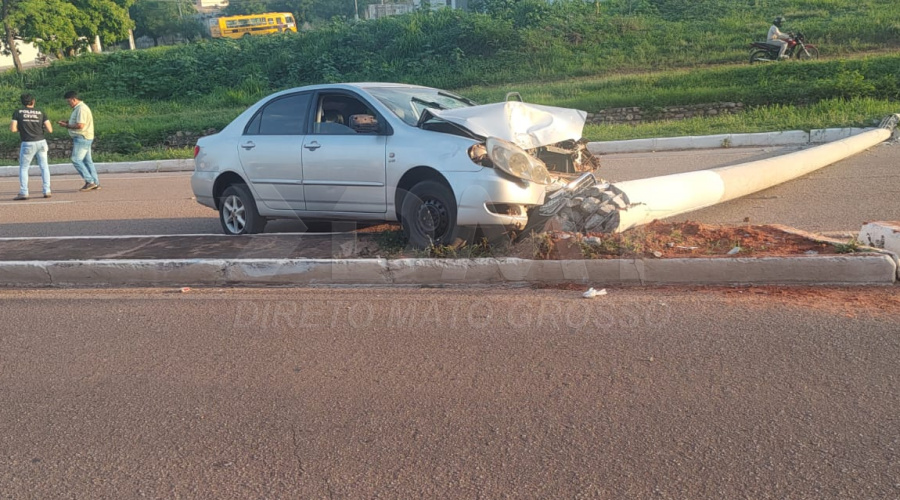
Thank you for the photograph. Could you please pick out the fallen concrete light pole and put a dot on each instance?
(588, 206)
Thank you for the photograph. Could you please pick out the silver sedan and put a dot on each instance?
(437, 162)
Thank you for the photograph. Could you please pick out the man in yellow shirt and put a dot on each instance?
(81, 130)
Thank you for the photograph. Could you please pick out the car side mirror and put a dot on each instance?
(364, 124)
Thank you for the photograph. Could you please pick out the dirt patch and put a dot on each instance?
(675, 240)
(656, 240)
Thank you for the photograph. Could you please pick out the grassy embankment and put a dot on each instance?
(567, 53)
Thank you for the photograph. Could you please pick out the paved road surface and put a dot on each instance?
(450, 393)
(840, 197)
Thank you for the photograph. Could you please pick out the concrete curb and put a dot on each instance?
(179, 165)
(884, 236)
(890, 251)
(856, 269)
(785, 138)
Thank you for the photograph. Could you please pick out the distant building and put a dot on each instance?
(375, 11)
(453, 4)
(209, 6)
(28, 53)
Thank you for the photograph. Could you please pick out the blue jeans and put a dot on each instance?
(81, 159)
(27, 151)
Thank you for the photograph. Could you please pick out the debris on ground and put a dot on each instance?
(591, 293)
(583, 205)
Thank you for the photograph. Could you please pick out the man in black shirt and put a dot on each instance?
(30, 123)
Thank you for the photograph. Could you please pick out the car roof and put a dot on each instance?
(352, 86)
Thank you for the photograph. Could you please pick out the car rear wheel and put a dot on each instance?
(237, 211)
(428, 216)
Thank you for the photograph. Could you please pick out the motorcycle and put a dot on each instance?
(797, 48)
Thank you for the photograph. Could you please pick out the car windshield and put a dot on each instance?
(408, 103)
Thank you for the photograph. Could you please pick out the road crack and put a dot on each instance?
(297, 456)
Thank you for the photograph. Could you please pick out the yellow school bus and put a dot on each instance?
(252, 24)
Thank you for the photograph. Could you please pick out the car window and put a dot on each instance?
(343, 114)
(283, 116)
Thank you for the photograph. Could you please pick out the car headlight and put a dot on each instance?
(516, 162)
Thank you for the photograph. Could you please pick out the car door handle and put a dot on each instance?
(312, 146)
(248, 145)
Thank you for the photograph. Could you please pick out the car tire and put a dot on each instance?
(238, 213)
(428, 216)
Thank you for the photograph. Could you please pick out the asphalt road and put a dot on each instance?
(837, 198)
(450, 393)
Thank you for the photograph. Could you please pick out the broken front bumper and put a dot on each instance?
(585, 205)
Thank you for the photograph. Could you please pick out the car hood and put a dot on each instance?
(527, 125)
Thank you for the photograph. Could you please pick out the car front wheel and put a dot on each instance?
(237, 211)
(428, 215)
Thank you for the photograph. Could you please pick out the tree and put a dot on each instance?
(107, 19)
(299, 8)
(159, 18)
(327, 9)
(9, 42)
(49, 24)
(247, 7)
(63, 27)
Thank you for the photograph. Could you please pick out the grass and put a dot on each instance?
(478, 249)
(140, 98)
(863, 112)
(391, 243)
(851, 246)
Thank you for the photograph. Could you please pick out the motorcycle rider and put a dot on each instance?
(778, 39)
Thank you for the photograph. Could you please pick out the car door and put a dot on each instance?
(344, 167)
(270, 151)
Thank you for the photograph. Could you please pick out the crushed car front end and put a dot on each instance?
(533, 149)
